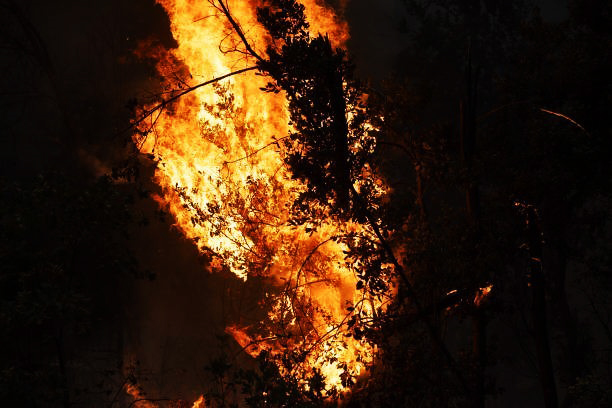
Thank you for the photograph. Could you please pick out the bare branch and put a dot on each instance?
(166, 102)
(225, 9)
(562, 116)
(275, 142)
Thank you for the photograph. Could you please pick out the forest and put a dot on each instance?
(412, 208)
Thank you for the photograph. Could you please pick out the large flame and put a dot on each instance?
(224, 181)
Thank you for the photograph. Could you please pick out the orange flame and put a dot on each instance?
(482, 295)
(139, 400)
(224, 181)
(199, 403)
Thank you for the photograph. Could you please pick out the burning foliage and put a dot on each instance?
(268, 174)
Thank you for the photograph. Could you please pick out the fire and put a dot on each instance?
(482, 295)
(139, 400)
(199, 403)
(224, 181)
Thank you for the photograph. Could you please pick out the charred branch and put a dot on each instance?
(147, 114)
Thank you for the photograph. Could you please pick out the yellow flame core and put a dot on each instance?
(224, 181)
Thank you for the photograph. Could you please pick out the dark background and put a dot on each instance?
(97, 286)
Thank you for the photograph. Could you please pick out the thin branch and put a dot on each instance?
(527, 102)
(308, 257)
(275, 142)
(562, 116)
(203, 18)
(164, 103)
(255, 342)
(297, 280)
(238, 30)
(433, 332)
(125, 381)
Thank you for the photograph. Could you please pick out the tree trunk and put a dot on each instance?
(472, 206)
(555, 265)
(479, 351)
(335, 81)
(538, 310)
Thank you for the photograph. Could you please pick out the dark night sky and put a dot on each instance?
(376, 39)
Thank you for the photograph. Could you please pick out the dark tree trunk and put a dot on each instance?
(479, 351)
(340, 129)
(538, 310)
(555, 266)
(472, 205)
(420, 203)
(61, 359)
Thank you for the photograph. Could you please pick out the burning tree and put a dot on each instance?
(285, 209)
(273, 167)
(336, 242)
(300, 201)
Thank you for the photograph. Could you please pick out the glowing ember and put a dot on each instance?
(139, 400)
(482, 294)
(224, 181)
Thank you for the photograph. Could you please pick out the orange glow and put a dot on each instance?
(560, 115)
(139, 400)
(225, 183)
(482, 295)
(322, 19)
(199, 403)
